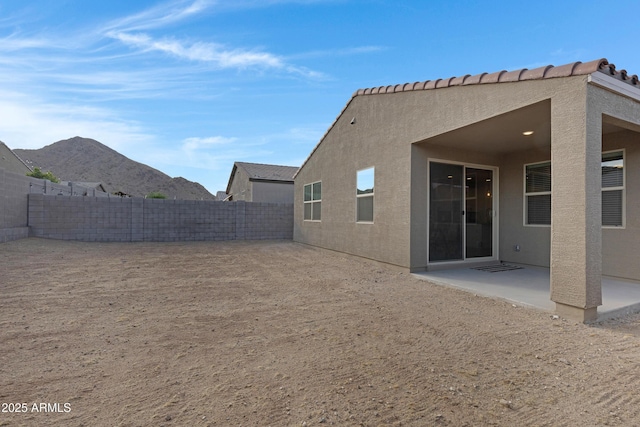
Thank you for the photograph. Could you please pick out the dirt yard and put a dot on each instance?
(281, 334)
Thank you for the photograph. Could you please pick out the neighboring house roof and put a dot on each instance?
(262, 172)
(547, 72)
(10, 160)
(89, 185)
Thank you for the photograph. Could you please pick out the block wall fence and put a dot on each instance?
(99, 219)
(14, 191)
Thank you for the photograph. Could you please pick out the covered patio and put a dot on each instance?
(545, 157)
(530, 286)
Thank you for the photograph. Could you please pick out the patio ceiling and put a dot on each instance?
(504, 133)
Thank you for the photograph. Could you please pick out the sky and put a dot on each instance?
(190, 86)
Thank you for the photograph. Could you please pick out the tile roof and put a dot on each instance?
(547, 72)
(258, 171)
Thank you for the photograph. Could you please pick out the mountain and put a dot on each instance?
(86, 160)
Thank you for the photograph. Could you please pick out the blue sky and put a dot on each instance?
(190, 86)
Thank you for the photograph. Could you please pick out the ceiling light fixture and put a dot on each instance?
(527, 133)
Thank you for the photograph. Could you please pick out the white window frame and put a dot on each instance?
(312, 201)
(525, 216)
(623, 188)
(365, 195)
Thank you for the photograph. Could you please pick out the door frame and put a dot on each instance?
(495, 221)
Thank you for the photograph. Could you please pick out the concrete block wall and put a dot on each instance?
(156, 220)
(188, 220)
(268, 221)
(14, 201)
(90, 219)
(14, 190)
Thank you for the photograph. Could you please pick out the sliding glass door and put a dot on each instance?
(460, 212)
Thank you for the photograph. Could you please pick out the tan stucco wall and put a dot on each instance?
(385, 128)
(534, 241)
(576, 232)
(391, 133)
(621, 247)
(347, 149)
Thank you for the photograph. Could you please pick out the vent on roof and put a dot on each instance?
(497, 268)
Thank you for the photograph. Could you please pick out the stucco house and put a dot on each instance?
(256, 182)
(10, 161)
(538, 167)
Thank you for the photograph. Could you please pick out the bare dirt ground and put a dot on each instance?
(281, 334)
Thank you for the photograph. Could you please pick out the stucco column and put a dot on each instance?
(576, 211)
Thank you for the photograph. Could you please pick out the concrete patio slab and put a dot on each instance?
(529, 286)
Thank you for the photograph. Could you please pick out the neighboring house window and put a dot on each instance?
(537, 194)
(613, 189)
(313, 201)
(364, 195)
(538, 191)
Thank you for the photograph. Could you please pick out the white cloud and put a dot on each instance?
(128, 30)
(192, 144)
(201, 51)
(159, 16)
(14, 43)
(32, 123)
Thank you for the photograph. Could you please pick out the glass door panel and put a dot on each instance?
(478, 213)
(445, 212)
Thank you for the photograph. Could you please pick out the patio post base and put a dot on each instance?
(579, 314)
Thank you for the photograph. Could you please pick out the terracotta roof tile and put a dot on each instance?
(420, 85)
(444, 83)
(546, 72)
(535, 74)
(513, 76)
(474, 80)
(561, 71)
(493, 77)
(589, 67)
(459, 81)
(431, 84)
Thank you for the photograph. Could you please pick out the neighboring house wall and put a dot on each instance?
(10, 162)
(272, 192)
(240, 186)
(156, 220)
(258, 182)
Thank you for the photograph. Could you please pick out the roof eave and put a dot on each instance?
(613, 84)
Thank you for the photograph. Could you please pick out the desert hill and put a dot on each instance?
(87, 160)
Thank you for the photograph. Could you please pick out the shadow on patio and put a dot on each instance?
(529, 285)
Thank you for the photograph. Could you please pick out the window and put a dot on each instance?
(538, 191)
(537, 194)
(364, 195)
(312, 201)
(612, 188)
